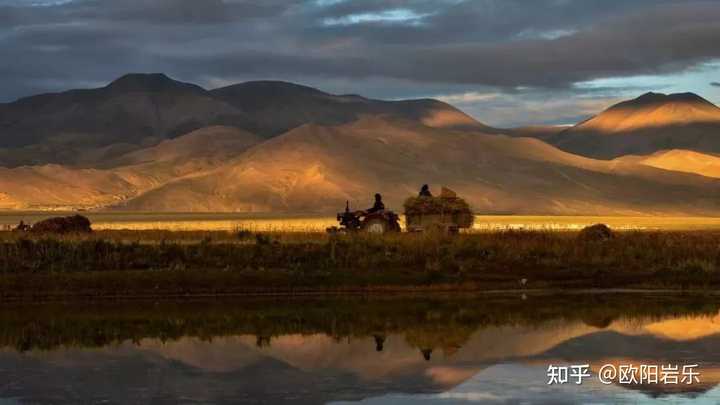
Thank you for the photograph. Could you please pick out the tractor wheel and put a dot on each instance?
(376, 226)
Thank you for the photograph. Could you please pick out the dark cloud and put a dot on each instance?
(477, 21)
(715, 84)
(182, 11)
(641, 43)
(397, 47)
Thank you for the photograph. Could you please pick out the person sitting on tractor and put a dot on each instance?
(425, 191)
(378, 206)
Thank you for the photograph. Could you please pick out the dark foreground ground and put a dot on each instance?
(138, 264)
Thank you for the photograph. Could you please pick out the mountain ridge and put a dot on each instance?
(149, 82)
(140, 110)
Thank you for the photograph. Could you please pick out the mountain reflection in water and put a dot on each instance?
(409, 350)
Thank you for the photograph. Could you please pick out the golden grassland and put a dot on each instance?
(258, 222)
(152, 263)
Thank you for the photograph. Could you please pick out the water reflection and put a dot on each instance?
(440, 350)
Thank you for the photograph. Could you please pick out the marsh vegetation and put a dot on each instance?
(180, 263)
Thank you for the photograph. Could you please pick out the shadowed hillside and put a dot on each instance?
(87, 126)
(129, 175)
(277, 107)
(542, 132)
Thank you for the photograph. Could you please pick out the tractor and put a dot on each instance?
(446, 214)
(379, 222)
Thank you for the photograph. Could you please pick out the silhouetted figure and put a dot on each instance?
(379, 342)
(262, 341)
(426, 353)
(425, 191)
(22, 226)
(378, 206)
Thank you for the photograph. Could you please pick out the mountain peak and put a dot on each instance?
(646, 124)
(652, 98)
(652, 110)
(148, 82)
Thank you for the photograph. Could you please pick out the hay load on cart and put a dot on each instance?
(447, 213)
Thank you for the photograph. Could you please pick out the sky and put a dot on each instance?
(505, 62)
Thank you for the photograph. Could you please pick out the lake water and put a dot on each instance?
(439, 350)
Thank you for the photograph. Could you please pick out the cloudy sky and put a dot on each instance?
(506, 62)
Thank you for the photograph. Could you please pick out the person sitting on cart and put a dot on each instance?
(378, 206)
(425, 191)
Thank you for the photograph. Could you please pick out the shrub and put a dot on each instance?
(596, 233)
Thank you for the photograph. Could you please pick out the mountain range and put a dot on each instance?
(147, 142)
(87, 127)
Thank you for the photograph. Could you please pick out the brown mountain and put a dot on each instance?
(214, 144)
(291, 148)
(80, 126)
(87, 127)
(316, 168)
(55, 186)
(645, 125)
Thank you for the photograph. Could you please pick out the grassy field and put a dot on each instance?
(152, 263)
(305, 223)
